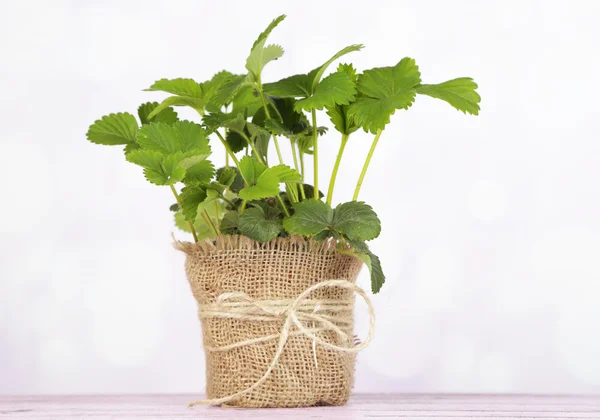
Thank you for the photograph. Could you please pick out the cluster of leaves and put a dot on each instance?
(249, 196)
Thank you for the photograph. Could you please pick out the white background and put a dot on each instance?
(491, 234)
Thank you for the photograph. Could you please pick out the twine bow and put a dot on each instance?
(321, 314)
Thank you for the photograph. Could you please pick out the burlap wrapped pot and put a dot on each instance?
(244, 290)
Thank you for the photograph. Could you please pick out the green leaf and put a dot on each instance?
(341, 120)
(183, 136)
(165, 170)
(114, 129)
(297, 86)
(229, 89)
(230, 222)
(303, 85)
(246, 101)
(173, 168)
(130, 147)
(285, 120)
(216, 187)
(356, 220)
(260, 56)
(191, 197)
(383, 91)
(181, 223)
(264, 182)
(377, 276)
(167, 115)
(188, 93)
(191, 136)
(339, 113)
(460, 93)
(215, 120)
(174, 207)
(265, 34)
(226, 176)
(211, 87)
(159, 137)
(236, 141)
(194, 103)
(374, 265)
(199, 173)
(255, 224)
(179, 87)
(146, 158)
(349, 70)
(336, 89)
(214, 209)
(309, 192)
(267, 185)
(316, 74)
(372, 262)
(284, 173)
(158, 177)
(251, 169)
(223, 177)
(310, 217)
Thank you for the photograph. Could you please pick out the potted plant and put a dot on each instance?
(273, 264)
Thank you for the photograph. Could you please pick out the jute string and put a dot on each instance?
(238, 305)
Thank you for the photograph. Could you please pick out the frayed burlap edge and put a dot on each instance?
(235, 242)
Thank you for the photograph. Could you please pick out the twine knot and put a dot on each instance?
(319, 315)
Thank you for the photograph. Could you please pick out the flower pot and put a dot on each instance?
(276, 320)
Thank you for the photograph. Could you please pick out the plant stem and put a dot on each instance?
(316, 154)
(287, 213)
(292, 187)
(229, 151)
(366, 165)
(277, 148)
(243, 206)
(301, 155)
(298, 169)
(227, 201)
(209, 222)
(181, 207)
(253, 147)
(217, 216)
(336, 167)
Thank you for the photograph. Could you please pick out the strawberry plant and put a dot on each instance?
(253, 195)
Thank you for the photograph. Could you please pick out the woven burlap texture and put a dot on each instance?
(277, 270)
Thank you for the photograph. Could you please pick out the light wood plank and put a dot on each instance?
(361, 406)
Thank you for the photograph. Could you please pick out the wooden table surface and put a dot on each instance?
(361, 406)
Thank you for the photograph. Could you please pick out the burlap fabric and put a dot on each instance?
(305, 374)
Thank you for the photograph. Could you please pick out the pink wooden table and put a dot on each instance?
(362, 406)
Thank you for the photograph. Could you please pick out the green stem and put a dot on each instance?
(277, 148)
(366, 165)
(287, 213)
(316, 154)
(297, 168)
(253, 147)
(243, 206)
(181, 207)
(229, 151)
(302, 169)
(217, 216)
(227, 200)
(268, 114)
(209, 222)
(336, 167)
